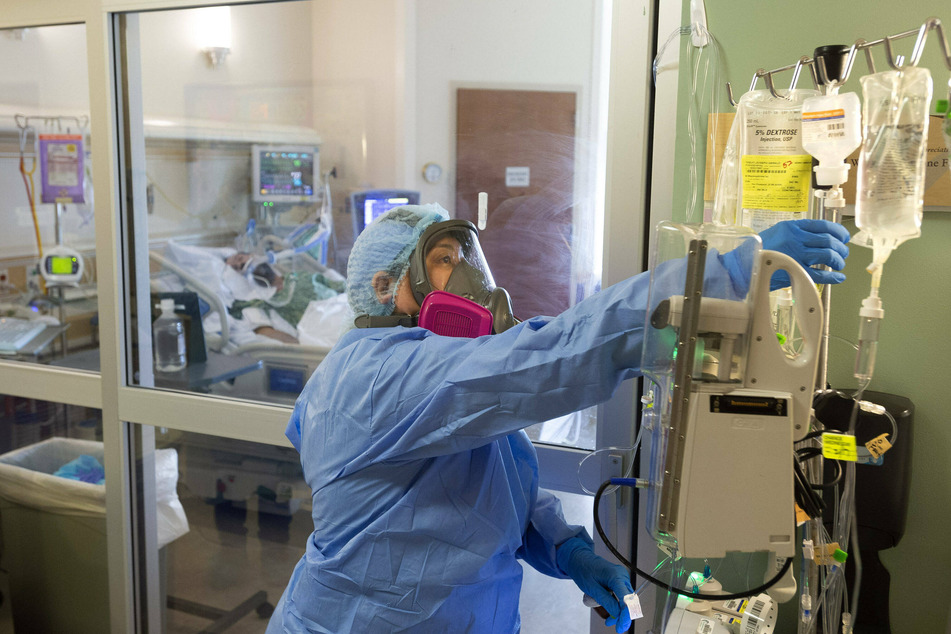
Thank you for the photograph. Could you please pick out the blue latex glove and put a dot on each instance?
(603, 581)
(809, 242)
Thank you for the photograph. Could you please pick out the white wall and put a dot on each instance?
(356, 84)
(270, 59)
(41, 69)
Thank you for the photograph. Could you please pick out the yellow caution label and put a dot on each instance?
(878, 445)
(777, 183)
(839, 447)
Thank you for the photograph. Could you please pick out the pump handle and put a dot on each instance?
(768, 367)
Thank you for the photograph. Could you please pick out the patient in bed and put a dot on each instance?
(286, 298)
(264, 305)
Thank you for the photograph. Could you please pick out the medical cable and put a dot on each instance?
(668, 587)
(805, 496)
(807, 453)
(169, 200)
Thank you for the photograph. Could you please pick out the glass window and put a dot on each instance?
(243, 524)
(48, 301)
(52, 517)
(262, 138)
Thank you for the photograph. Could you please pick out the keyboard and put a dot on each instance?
(16, 333)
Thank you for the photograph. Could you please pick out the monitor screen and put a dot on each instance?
(369, 204)
(284, 174)
(61, 265)
(373, 207)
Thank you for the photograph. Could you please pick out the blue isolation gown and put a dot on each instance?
(425, 489)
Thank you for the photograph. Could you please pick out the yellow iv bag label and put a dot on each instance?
(779, 183)
(839, 447)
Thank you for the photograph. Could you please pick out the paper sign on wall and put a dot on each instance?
(517, 176)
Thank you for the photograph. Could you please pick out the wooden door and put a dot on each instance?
(519, 147)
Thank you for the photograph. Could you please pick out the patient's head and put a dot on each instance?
(261, 272)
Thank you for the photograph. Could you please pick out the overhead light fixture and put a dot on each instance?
(213, 32)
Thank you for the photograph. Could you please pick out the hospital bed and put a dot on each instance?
(285, 368)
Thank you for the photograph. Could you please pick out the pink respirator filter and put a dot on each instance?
(453, 316)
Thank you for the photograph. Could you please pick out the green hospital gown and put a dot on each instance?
(291, 301)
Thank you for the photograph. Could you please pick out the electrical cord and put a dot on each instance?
(807, 499)
(634, 569)
(807, 453)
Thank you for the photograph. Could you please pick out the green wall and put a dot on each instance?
(916, 288)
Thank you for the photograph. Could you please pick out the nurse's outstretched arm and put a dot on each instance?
(440, 395)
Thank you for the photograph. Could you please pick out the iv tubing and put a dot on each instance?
(27, 175)
(630, 467)
(700, 73)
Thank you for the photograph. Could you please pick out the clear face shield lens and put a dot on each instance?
(456, 266)
(455, 263)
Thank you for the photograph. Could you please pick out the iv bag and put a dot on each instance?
(891, 173)
(765, 175)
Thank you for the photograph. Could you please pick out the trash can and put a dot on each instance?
(53, 532)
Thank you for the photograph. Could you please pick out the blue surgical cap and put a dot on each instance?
(385, 245)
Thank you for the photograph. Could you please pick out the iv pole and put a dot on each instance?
(23, 123)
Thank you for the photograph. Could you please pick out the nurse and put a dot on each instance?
(425, 488)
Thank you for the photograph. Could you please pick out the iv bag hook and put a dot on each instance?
(23, 124)
(895, 63)
(920, 42)
(805, 60)
(768, 78)
(729, 95)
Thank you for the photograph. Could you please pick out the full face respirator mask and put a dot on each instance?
(453, 285)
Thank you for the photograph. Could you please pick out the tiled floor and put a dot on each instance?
(226, 557)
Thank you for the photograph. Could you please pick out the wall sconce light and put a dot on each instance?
(213, 32)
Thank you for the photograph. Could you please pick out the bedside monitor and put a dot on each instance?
(367, 205)
(284, 173)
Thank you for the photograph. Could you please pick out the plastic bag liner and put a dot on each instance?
(26, 478)
(170, 516)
